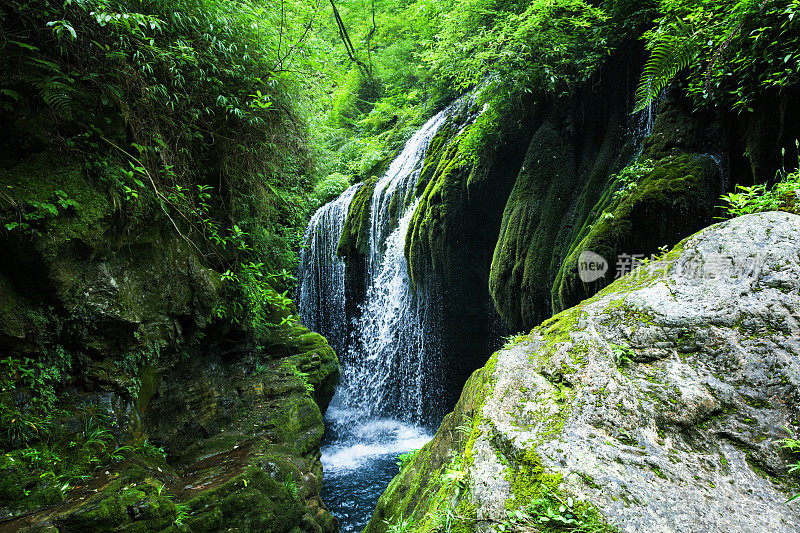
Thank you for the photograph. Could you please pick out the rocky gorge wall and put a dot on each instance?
(502, 220)
(510, 198)
(118, 316)
(659, 404)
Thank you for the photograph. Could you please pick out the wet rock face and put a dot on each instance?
(129, 306)
(662, 401)
(568, 198)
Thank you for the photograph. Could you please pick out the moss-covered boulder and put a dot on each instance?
(660, 404)
(674, 198)
(573, 147)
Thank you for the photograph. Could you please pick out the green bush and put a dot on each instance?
(782, 196)
(327, 189)
(734, 51)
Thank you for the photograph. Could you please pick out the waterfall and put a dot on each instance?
(383, 404)
(385, 370)
(322, 297)
(644, 120)
(399, 181)
(383, 361)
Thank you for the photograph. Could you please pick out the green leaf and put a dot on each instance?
(26, 46)
(11, 94)
(671, 55)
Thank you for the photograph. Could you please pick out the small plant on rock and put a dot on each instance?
(406, 458)
(401, 524)
(623, 355)
(783, 196)
(792, 444)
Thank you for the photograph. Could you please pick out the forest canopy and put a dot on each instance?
(240, 118)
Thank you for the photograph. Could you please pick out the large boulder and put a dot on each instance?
(660, 404)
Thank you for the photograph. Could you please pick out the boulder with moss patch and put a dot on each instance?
(660, 404)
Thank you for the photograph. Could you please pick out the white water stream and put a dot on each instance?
(379, 407)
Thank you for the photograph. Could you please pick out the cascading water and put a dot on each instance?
(385, 373)
(322, 293)
(399, 181)
(641, 124)
(378, 410)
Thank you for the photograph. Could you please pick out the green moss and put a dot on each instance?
(252, 501)
(589, 480)
(467, 174)
(148, 378)
(49, 179)
(132, 506)
(536, 494)
(671, 202)
(657, 471)
(436, 151)
(571, 197)
(675, 132)
(529, 480)
(436, 212)
(354, 241)
(526, 253)
(423, 489)
(556, 331)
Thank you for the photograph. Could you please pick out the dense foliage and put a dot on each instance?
(233, 111)
(427, 53)
(726, 54)
(734, 51)
(184, 114)
(190, 110)
(784, 195)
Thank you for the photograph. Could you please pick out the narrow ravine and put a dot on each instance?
(389, 401)
(383, 406)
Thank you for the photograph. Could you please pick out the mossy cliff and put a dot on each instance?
(465, 179)
(659, 404)
(130, 400)
(669, 192)
(573, 150)
(573, 196)
(354, 247)
(464, 182)
(511, 201)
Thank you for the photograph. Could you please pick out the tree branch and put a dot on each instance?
(348, 45)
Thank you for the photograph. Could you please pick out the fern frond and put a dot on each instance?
(55, 88)
(671, 55)
(57, 96)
